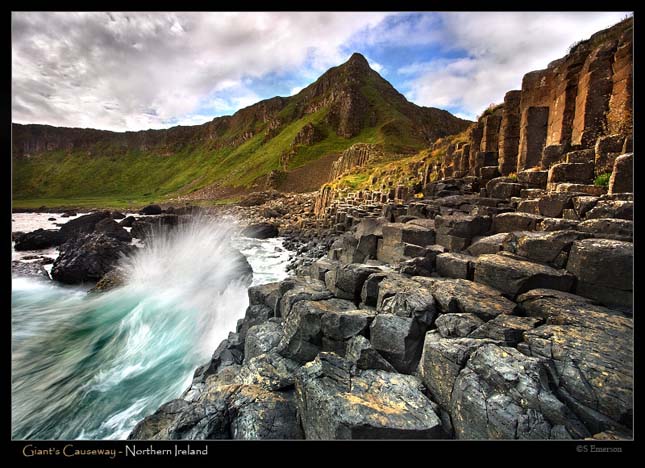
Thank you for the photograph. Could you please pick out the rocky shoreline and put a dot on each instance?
(452, 316)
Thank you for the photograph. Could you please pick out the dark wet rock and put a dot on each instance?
(111, 280)
(322, 266)
(39, 239)
(303, 334)
(618, 209)
(113, 229)
(88, 258)
(85, 224)
(68, 214)
(255, 314)
(230, 352)
(454, 265)
(151, 210)
(463, 296)
(457, 325)
(487, 245)
(29, 269)
(513, 276)
(270, 371)
(370, 291)
(508, 329)
(604, 269)
(503, 394)
(376, 404)
(442, 360)
(509, 222)
(550, 247)
(419, 266)
(143, 228)
(416, 302)
(398, 339)
(293, 290)
(262, 338)
(349, 280)
(154, 424)
(592, 351)
(608, 228)
(128, 221)
(360, 351)
(342, 325)
(260, 231)
(265, 294)
(117, 215)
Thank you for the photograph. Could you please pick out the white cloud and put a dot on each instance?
(130, 71)
(500, 48)
(296, 90)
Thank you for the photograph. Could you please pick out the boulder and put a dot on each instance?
(83, 224)
(578, 173)
(550, 247)
(151, 210)
(143, 228)
(509, 222)
(508, 329)
(620, 209)
(487, 245)
(553, 204)
(512, 276)
(342, 325)
(362, 354)
(398, 339)
(376, 405)
(608, 228)
(117, 215)
(260, 231)
(604, 269)
(457, 325)
(28, 269)
(302, 339)
(467, 297)
(113, 229)
(503, 394)
(454, 265)
(262, 338)
(128, 221)
(293, 290)
(591, 348)
(442, 360)
(349, 280)
(270, 371)
(88, 258)
(39, 239)
(622, 177)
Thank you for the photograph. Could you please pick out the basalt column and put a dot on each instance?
(475, 139)
(509, 133)
(594, 91)
(532, 137)
(619, 118)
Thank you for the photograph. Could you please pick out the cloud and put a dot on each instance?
(492, 52)
(131, 71)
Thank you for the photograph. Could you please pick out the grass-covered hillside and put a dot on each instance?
(228, 156)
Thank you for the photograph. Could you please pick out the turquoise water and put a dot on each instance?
(90, 366)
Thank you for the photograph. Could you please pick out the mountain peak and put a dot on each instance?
(358, 60)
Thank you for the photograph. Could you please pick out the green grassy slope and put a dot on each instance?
(115, 175)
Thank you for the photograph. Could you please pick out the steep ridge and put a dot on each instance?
(348, 104)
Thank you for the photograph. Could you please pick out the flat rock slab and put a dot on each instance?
(463, 296)
(373, 404)
(509, 222)
(592, 351)
(513, 276)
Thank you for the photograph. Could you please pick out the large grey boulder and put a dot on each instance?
(604, 269)
(513, 276)
(503, 394)
(302, 339)
(463, 296)
(372, 404)
(457, 325)
(262, 338)
(591, 348)
(442, 360)
(398, 339)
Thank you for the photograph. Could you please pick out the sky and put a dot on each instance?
(133, 71)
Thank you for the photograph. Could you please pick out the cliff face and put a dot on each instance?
(580, 102)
